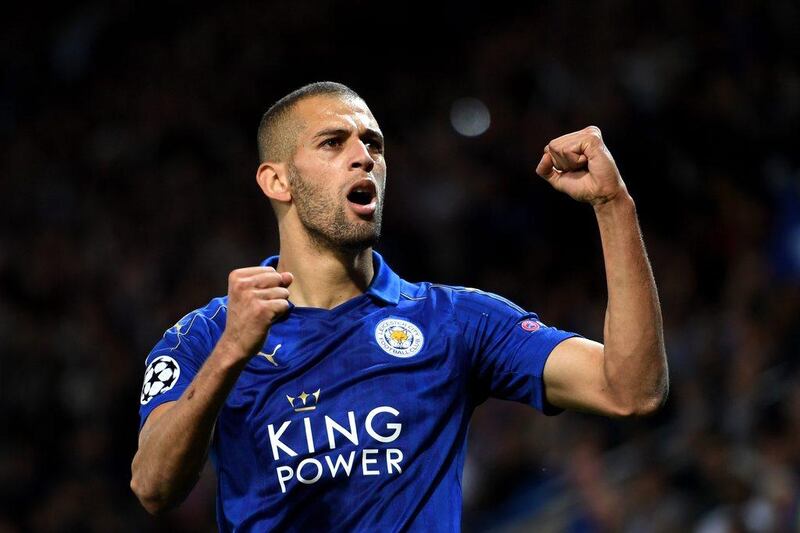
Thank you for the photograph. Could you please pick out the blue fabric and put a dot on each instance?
(362, 424)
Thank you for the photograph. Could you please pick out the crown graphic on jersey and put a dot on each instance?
(304, 397)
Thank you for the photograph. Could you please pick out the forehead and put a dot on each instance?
(322, 112)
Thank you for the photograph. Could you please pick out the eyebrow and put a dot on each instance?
(341, 131)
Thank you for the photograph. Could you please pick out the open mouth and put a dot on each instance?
(363, 197)
(360, 197)
(363, 192)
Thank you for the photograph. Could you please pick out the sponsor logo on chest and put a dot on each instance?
(369, 460)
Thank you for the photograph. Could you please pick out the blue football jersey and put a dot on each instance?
(355, 418)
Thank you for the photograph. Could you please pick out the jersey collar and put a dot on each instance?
(385, 283)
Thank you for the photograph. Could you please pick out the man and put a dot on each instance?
(334, 395)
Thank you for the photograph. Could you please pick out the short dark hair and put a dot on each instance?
(277, 131)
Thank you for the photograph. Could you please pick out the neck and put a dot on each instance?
(324, 278)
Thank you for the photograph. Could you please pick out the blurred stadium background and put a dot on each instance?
(127, 181)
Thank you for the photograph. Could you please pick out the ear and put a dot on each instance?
(272, 179)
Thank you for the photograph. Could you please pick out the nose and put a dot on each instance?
(361, 157)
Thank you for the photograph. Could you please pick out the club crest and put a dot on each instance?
(398, 337)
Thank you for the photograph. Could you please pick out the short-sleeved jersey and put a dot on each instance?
(355, 418)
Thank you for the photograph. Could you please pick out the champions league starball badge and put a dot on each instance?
(398, 337)
(161, 375)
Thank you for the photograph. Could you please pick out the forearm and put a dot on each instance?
(173, 451)
(635, 362)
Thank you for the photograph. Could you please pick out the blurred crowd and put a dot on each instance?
(127, 168)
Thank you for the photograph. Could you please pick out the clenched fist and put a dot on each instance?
(580, 165)
(257, 296)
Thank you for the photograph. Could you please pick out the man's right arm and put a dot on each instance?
(175, 439)
(174, 442)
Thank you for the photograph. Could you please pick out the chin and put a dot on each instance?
(351, 242)
(340, 233)
(358, 245)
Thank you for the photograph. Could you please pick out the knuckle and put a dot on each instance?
(263, 309)
(271, 309)
(280, 293)
(279, 306)
(277, 303)
(594, 130)
(270, 278)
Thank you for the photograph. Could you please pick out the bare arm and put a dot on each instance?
(628, 375)
(174, 442)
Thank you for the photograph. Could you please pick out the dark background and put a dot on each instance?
(127, 169)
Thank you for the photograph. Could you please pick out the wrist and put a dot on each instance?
(230, 353)
(621, 201)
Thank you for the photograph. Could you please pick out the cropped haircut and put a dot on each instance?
(279, 129)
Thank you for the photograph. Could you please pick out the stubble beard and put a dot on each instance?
(325, 219)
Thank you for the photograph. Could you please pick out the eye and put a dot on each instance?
(375, 145)
(330, 142)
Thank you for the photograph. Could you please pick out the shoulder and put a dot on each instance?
(427, 291)
(214, 312)
(471, 300)
(464, 302)
(198, 328)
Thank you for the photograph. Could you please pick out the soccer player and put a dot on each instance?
(332, 394)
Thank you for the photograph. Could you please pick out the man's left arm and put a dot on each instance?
(627, 375)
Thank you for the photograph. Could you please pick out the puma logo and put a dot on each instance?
(270, 356)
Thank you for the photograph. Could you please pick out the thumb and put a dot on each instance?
(545, 167)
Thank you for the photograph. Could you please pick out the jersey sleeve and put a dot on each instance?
(509, 347)
(174, 361)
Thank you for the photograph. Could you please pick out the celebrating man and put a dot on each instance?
(335, 395)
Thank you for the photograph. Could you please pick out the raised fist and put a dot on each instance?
(257, 296)
(579, 165)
